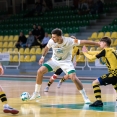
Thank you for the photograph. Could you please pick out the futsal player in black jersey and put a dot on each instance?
(111, 62)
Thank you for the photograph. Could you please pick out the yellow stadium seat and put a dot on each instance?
(38, 51)
(11, 38)
(27, 58)
(93, 36)
(27, 51)
(66, 35)
(100, 35)
(5, 44)
(1, 44)
(49, 35)
(4, 50)
(98, 49)
(16, 38)
(97, 40)
(112, 41)
(107, 34)
(11, 58)
(1, 38)
(0, 50)
(11, 44)
(15, 50)
(114, 48)
(80, 58)
(32, 51)
(21, 58)
(10, 50)
(6, 38)
(15, 58)
(33, 58)
(21, 51)
(27, 36)
(92, 49)
(114, 35)
(115, 42)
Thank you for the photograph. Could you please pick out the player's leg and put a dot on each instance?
(47, 67)
(41, 71)
(62, 80)
(69, 69)
(79, 86)
(115, 87)
(55, 75)
(6, 107)
(103, 80)
(97, 93)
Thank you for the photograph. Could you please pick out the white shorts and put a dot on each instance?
(66, 65)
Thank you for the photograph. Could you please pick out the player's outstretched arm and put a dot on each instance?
(85, 52)
(82, 42)
(46, 49)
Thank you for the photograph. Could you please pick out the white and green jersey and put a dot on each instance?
(63, 51)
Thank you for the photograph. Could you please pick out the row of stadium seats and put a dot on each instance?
(22, 50)
(81, 58)
(10, 38)
(46, 24)
(22, 58)
(12, 44)
(99, 35)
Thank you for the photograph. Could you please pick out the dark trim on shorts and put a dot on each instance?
(48, 67)
(72, 71)
(100, 81)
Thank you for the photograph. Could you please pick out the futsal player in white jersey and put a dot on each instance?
(61, 58)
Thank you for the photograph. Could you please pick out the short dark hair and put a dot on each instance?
(57, 31)
(107, 40)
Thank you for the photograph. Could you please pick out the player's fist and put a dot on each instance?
(41, 61)
(84, 49)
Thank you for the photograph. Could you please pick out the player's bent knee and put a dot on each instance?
(42, 70)
(95, 82)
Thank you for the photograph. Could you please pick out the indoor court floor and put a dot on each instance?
(63, 102)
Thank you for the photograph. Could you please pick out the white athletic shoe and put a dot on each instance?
(46, 89)
(87, 101)
(59, 84)
(35, 96)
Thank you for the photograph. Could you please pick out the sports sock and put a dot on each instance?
(97, 91)
(83, 93)
(37, 88)
(3, 97)
(49, 83)
(62, 80)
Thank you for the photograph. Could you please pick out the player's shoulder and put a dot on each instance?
(50, 41)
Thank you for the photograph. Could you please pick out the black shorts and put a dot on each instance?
(107, 79)
(58, 71)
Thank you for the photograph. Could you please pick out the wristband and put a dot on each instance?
(43, 57)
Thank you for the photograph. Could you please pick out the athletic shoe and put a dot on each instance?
(8, 109)
(97, 103)
(59, 84)
(46, 89)
(87, 101)
(35, 96)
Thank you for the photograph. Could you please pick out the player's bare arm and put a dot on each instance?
(85, 52)
(82, 42)
(46, 49)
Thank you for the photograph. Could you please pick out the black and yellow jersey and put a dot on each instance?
(109, 55)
